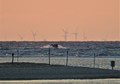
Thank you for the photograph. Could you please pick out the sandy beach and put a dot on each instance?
(66, 81)
(35, 71)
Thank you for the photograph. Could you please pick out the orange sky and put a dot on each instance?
(93, 19)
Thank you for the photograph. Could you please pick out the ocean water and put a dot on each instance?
(79, 49)
(94, 81)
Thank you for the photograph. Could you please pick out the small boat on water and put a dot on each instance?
(54, 46)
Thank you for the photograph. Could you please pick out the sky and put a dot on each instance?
(39, 20)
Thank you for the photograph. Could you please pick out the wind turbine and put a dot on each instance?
(65, 34)
(34, 35)
(84, 37)
(76, 35)
(21, 37)
(44, 38)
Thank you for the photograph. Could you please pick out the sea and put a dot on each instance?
(75, 49)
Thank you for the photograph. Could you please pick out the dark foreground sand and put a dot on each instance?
(32, 71)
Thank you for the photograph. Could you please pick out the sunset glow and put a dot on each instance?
(28, 20)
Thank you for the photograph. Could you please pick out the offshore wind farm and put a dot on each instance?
(60, 39)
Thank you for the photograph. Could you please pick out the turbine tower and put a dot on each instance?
(34, 35)
(21, 37)
(65, 34)
(76, 35)
(84, 37)
(44, 38)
